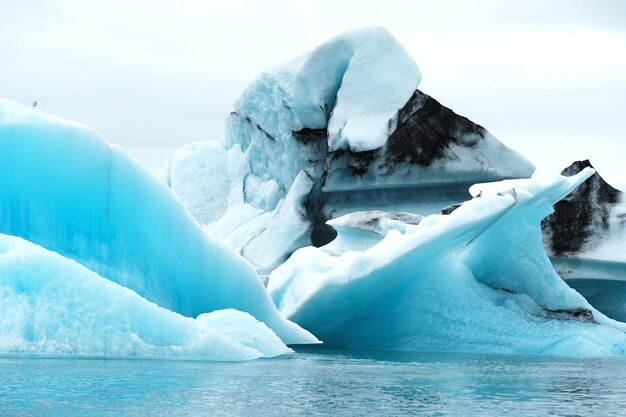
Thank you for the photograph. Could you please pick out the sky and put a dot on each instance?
(547, 78)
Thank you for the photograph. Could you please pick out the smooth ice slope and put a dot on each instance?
(54, 306)
(476, 279)
(63, 187)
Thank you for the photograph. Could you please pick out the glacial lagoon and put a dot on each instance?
(316, 381)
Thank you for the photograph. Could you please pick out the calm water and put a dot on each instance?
(315, 382)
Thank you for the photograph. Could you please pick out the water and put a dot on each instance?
(316, 381)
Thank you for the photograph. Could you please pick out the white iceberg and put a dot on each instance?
(64, 188)
(474, 280)
(353, 84)
(348, 117)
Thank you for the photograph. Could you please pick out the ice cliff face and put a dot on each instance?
(64, 188)
(474, 279)
(340, 129)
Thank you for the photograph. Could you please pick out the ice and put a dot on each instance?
(607, 240)
(54, 306)
(590, 223)
(474, 280)
(585, 238)
(289, 228)
(611, 248)
(363, 76)
(202, 169)
(259, 225)
(379, 78)
(349, 117)
(363, 229)
(63, 187)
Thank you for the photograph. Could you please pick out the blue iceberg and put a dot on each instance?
(64, 188)
(472, 279)
(54, 306)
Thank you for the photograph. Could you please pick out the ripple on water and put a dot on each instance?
(316, 381)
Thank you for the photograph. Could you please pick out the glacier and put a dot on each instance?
(53, 306)
(473, 279)
(342, 128)
(66, 189)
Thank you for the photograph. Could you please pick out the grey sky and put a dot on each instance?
(546, 78)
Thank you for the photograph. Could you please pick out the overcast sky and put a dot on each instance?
(547, 78)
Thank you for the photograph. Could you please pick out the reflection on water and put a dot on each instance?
(316, 381)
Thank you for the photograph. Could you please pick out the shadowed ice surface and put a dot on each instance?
(316, 381)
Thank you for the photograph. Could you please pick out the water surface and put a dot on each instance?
(316, 381)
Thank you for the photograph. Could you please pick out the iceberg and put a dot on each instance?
(377, 218)
(342, 128)
(54, 306)
(64, 188)
(472, 279)
(590, 223)
(585, 238)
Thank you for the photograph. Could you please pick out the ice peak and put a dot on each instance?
(353, 84)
